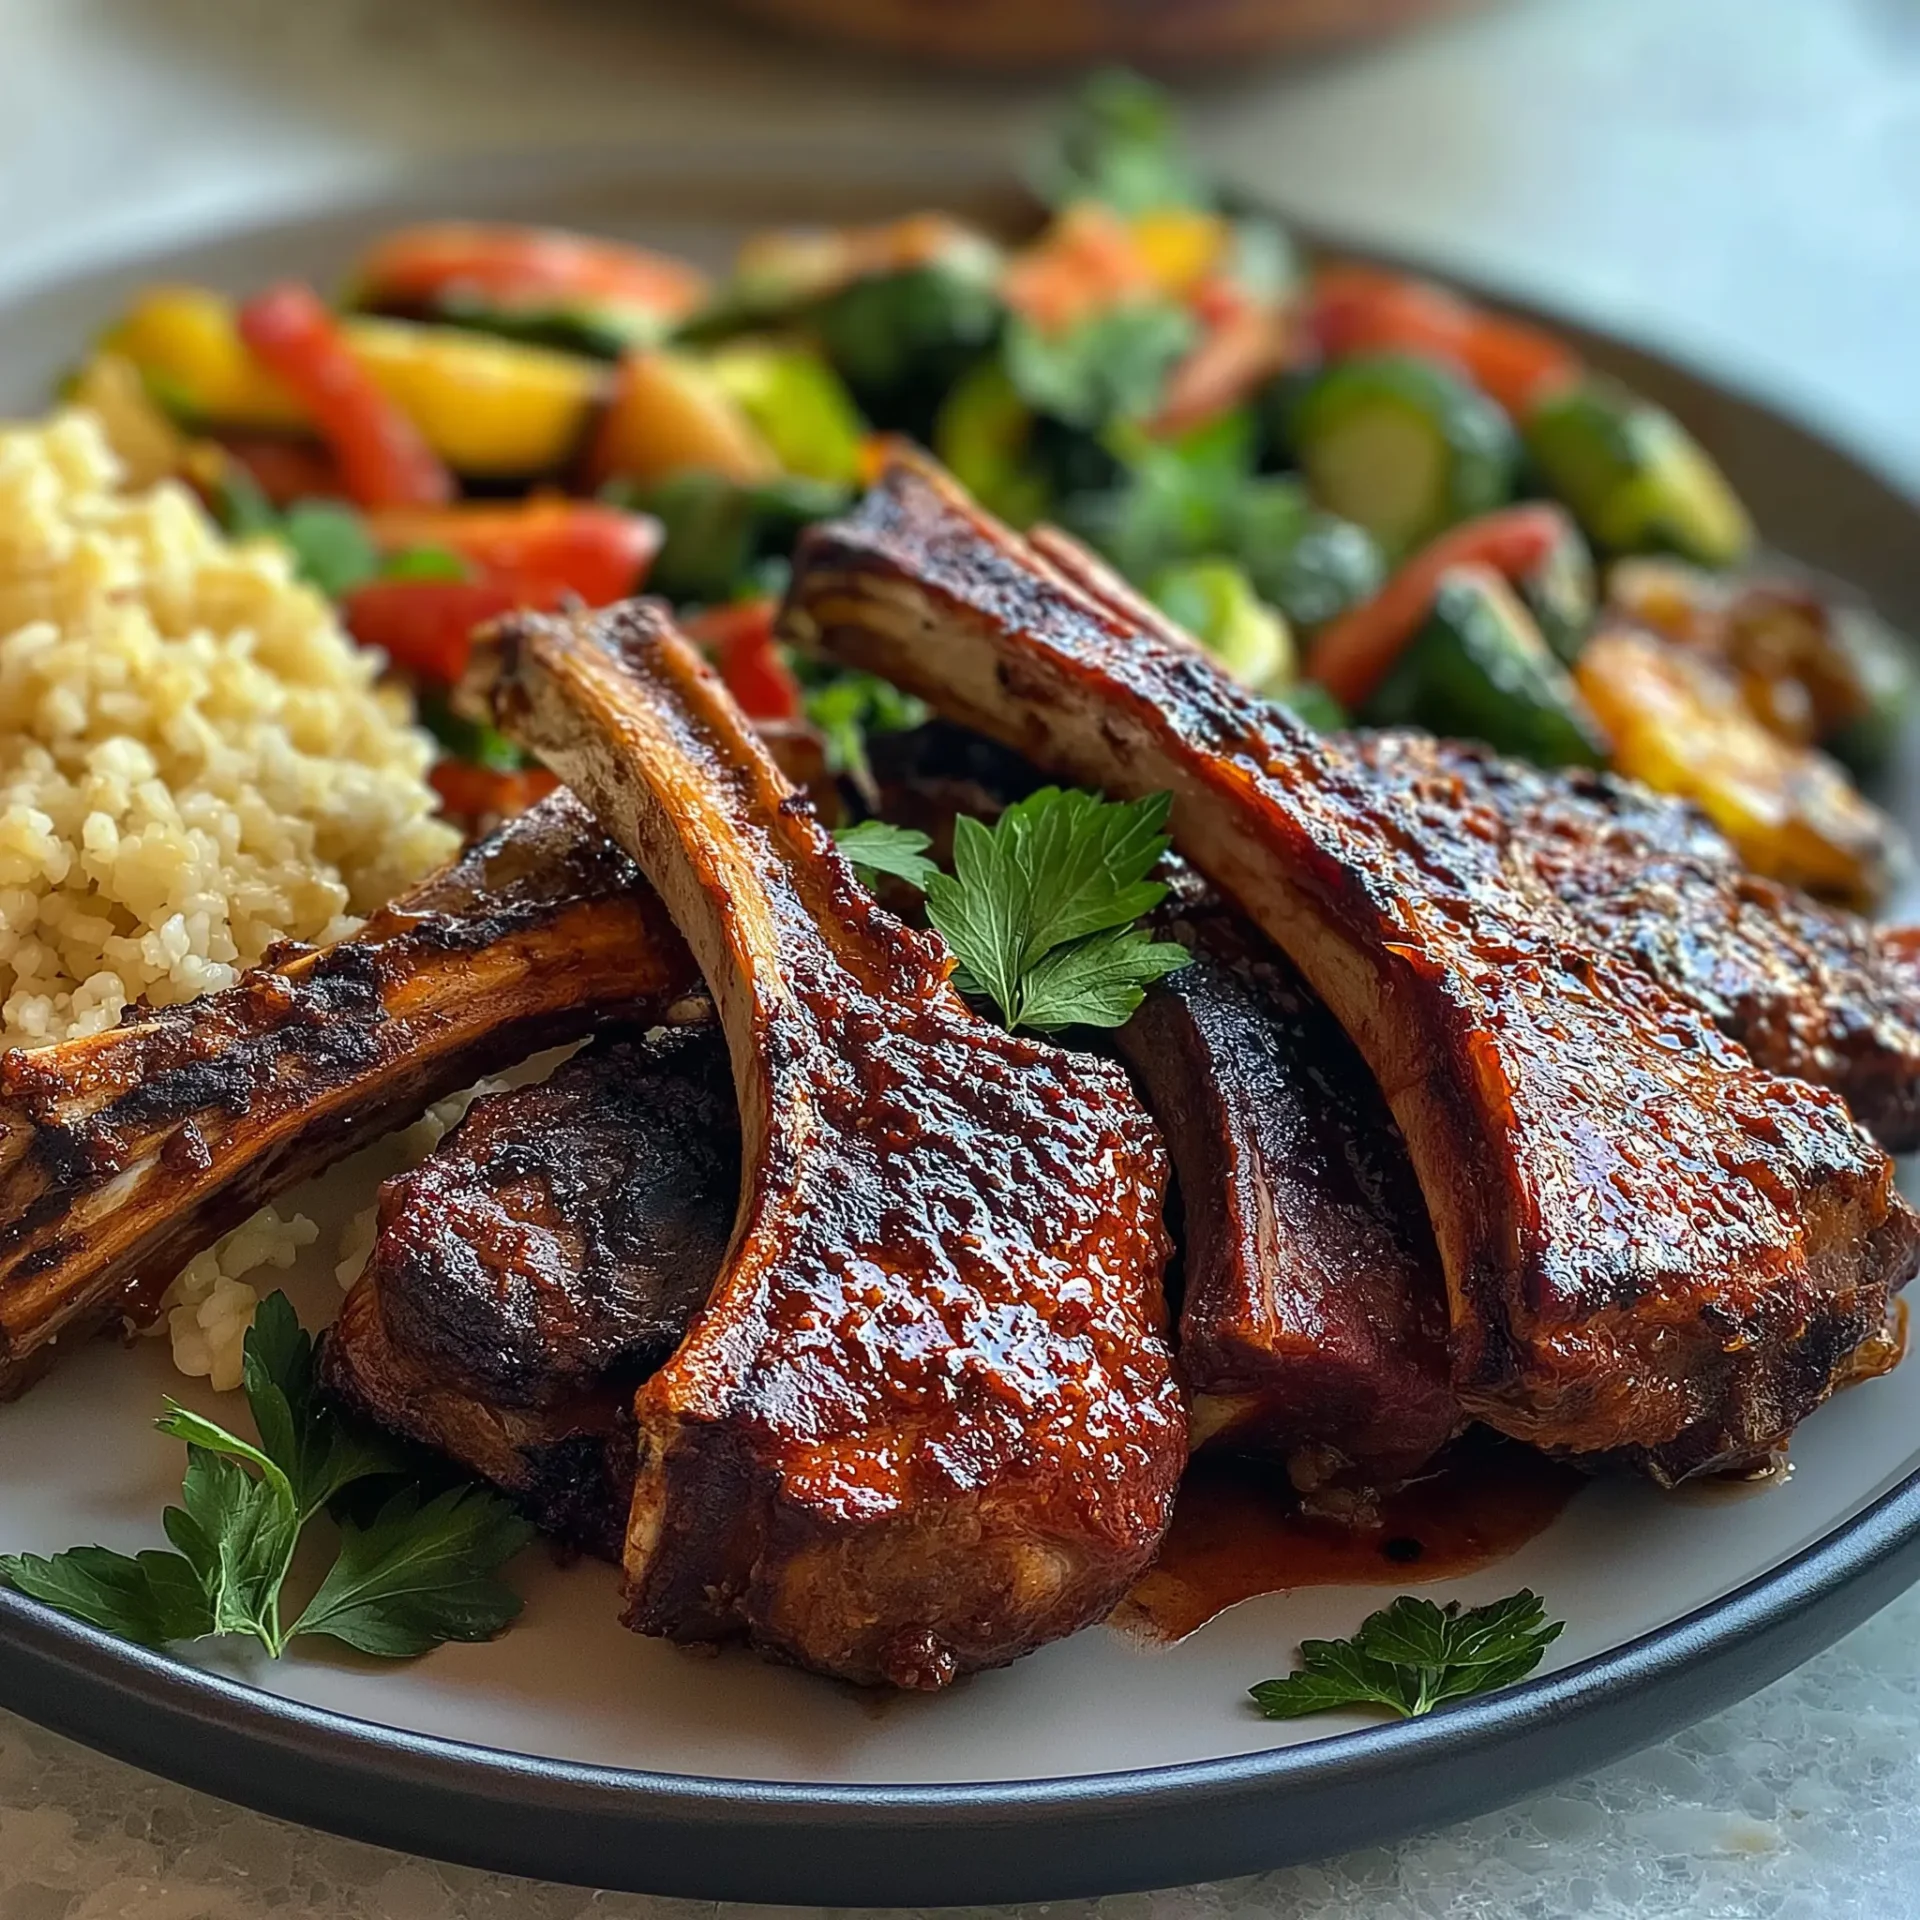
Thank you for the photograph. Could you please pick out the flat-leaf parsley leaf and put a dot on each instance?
(1413, 1656)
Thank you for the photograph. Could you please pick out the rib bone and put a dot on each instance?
(926, 1420)
(124, 1153)
(1651, 1245)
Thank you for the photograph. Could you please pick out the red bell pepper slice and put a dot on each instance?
(741, 637)
(476, 794)
(602, 553)
(382, 457)
(425, 627)
(1350, 656)
(525, 269)
(1360, 310)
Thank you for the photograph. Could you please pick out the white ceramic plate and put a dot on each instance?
(572, 1748)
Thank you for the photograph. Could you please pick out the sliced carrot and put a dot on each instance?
(1361, 310)
(382, 455)
(1352, 655)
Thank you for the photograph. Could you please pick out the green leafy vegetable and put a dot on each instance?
(1120, 143)
(1414, 1656)
(846, 706)
(1109, 366)
(1039, 909)
(475, 741)
(332, 549)
(417, 1574)
(877, 846)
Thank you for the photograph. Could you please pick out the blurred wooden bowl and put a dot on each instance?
(1050, 33)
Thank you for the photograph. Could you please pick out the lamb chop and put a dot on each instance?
(926, 1419)
(124, 1153)
(544, 1259)
(1653, 1247)
(1313, 1320)
(1809, 990)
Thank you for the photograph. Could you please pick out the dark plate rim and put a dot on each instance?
(933, 1844)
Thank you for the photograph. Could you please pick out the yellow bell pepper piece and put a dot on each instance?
(491, 408)
(1678, 723)
(189, 352)
(487, 407)
(1180, 246)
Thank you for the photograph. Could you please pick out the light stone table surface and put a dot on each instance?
(1738, 180)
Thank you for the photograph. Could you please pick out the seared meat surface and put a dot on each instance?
(540, 1263)
(1653, 1247)
(123, 1154)
(926, 1420)
(1807, 989)
(1313, 1321)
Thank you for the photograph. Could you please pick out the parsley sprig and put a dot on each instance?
(417, 1573)
(1041, 908)
(1413, 1656)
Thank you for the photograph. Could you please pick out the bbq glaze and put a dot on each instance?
(1809, 990)
(926, 1420)
(125, 1153)
(1652, 1246)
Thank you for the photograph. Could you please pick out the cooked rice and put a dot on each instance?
(210, 1306)
(195, 762)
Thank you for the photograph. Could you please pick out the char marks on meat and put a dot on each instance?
(125, 1153)
(1313, 1321)
(1808, 989)
(926, 1420)
(540, 1263)
(1653, 1247)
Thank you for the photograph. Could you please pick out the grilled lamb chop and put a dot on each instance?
(1808, 990)
(124, 1153)
(926, 1420)
(1653, 1247)
(1313, 1321)
(543, 1260)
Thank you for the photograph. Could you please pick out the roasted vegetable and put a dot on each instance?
(490, 409)
(537, 284)
(382, 455)
(426, 627)
(598, 551)
(1479, 670)
(1812, 666)
(671, 414)
(1562, 594)
(797, 404)
(718, 534)
(1362, 310)
(1356, 652)
(1635, 479)
(1402, 447)
(1215, 601)
(1119, 143)
(985, 433)
(1308, 700)
(740, 637)
(1679, 723)
(1312, 565)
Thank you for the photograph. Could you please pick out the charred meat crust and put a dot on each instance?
(544, 1259)
(123, 1154)
(1313, 1320)
(927, 1419)
(1652, 1246)
(1808, 989)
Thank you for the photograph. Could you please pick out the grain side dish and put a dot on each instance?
(195, 762)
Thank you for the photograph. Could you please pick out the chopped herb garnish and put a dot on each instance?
(1414, 1656)
(413, 1576)
(877, 846)
(1110, 366)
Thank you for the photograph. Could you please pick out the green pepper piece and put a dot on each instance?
(1635, 479)
(984, 435)
(1403, 447)
(799, 405)
(1479, 670)
(1215, 601)
(719, 533)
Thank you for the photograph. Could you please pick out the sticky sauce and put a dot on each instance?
(1238, 1532)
